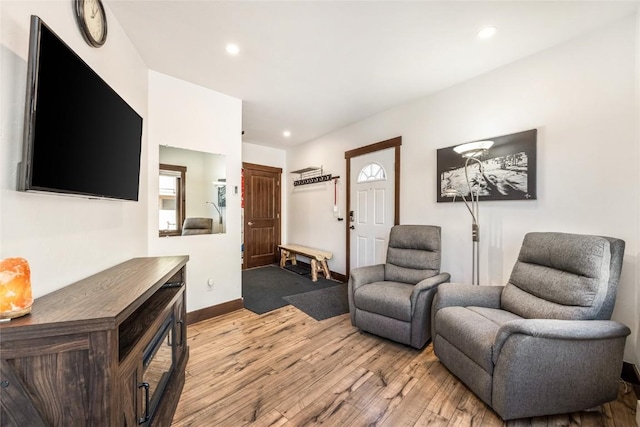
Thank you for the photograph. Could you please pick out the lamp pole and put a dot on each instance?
(475, 224)
(471, 151)
(475, 231)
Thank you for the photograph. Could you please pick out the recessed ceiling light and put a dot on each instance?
(286, 133)
(487, 32)
(232, 49)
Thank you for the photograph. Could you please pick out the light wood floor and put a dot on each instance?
(284, 368)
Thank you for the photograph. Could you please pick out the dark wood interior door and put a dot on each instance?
(261, 214)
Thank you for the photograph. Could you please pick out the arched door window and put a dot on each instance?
(372, 172)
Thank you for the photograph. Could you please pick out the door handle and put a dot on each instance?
(353, 227)
(249, 223)
(146, 403)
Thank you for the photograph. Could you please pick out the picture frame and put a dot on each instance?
(509, 169)
(222, 196)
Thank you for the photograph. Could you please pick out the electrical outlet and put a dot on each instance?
(210, 283)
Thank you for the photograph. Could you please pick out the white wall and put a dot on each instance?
(274, 157)
(200, 119)
(581, 96)
(64, 238)
(266, 156)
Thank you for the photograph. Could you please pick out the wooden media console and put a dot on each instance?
(109, 350)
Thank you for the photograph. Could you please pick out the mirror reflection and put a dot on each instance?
(192, 193)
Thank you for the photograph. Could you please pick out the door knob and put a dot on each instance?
(249, 223)
(353, 227)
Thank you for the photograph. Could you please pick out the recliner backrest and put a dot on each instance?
(564, 276)
(617, 255)
(413, 253)
(195, 225)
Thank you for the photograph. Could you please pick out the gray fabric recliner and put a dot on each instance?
(542, 344)
(393, 300)
(193, 226)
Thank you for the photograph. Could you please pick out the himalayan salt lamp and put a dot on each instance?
(15, 288)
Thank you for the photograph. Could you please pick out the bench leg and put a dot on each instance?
(325, 267)
(285, 256)
(314, 270)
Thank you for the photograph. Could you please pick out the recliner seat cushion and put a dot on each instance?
(472, 330)
(391, 299)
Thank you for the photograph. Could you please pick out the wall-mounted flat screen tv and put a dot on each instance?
(81, 137)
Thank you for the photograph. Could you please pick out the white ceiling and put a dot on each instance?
(315, 66)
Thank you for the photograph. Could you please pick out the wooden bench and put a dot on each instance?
(318, 259)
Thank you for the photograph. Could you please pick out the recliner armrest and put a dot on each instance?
(363, 275)
(426, 285)
(559, 329)
(548, 366)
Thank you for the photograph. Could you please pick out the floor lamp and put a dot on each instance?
(471, 152)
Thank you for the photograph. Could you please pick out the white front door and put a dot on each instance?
(372, 206)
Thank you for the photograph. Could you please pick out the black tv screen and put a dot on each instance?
(81, 137)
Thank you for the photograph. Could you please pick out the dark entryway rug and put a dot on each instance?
(264, 288)
(323, 303)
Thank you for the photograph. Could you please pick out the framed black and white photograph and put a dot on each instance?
(508, 170)
(222, 196)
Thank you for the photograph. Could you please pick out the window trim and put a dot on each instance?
(181, 197)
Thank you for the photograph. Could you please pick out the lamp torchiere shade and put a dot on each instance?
(473, 149)
(15, 288)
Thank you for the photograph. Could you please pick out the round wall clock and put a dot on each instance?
(92, 21)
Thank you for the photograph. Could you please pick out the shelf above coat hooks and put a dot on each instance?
(311, 175)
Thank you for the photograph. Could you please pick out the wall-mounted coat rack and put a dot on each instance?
(314, 175)
(311, 175)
